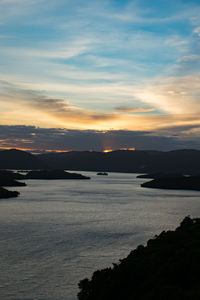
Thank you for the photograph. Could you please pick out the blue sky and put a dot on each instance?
(100, 65)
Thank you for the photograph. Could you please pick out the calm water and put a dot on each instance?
(58, 232)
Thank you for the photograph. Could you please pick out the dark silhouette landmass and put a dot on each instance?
(102, 173)
(17, 159)
(8, 178)
(168, 267)
(177, 183)
(138, 161)
(54, 174)
(7, 194)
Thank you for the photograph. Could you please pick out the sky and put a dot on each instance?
(92, 75)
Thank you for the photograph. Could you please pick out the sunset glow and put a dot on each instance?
(35, 150)
(130, 149)
(92, 94)
(57, 151)
(100, 66)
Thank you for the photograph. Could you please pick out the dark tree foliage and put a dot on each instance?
(167, 268)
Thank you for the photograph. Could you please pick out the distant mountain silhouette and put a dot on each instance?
(183, 161)
(17, 159)
(139, 161)
(116, 161)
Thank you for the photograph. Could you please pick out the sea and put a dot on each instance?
(58, 232)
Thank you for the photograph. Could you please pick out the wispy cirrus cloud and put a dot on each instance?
(52, 109)
(69, 64)
(132, 109)
(27, 107)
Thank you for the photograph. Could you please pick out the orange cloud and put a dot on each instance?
(132, 109)
(22, 106)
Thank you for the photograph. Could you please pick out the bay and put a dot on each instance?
(60, 231)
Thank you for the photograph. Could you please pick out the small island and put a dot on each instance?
(54, 174)
(102, 173)
(175, 183)
(168, 267)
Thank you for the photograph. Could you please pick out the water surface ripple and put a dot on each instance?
(58, 232)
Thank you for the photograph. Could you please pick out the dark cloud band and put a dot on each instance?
(56, 139)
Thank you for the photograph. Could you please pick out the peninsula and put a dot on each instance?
(54, 174)
(175, 183)
(7, 194)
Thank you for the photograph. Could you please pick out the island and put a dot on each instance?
(7, 194)
(102, 173)
(53, 174)
(175, 183)
(168, 267)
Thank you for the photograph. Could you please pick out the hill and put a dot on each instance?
(167, 268)
(17, 159)
(183, 161)
(139, 161)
